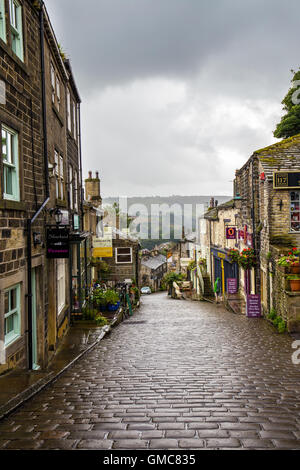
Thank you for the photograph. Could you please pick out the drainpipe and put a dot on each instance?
(47, 194)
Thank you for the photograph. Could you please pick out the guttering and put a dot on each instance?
(47, 194)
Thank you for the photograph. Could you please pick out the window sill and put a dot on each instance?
(56, 112)
(11, 340)
(13, 205)
(14, 57)
(60, 203)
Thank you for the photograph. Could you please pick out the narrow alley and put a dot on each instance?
(176, 375)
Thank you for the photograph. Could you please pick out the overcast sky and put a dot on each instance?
(177, 94)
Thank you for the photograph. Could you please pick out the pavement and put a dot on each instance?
(17, 386)
(177, 375)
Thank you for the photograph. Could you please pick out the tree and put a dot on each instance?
(290, 122)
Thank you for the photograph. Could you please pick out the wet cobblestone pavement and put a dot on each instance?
(176, 375)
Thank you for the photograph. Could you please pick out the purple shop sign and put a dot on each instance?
(253, 306)
(231, 286)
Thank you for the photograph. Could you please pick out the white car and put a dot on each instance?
(145, 290)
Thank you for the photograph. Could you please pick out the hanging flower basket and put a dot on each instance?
(234, 255)
(247, 258)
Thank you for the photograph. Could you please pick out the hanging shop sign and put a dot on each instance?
(76, 222)
(230, 233)
(253, 306)
(58, 245)
(232, 286)
(286, 179)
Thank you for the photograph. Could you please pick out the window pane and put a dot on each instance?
(8, 184)
(123, 251)
(9, 324)
(13, 299)
(6, 302)
(295, 211)
(124, 259)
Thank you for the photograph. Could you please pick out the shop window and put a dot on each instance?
(10, 158)
(61, 285)
(2, 21)
(16, 28)
(295, 211)
(123, 255)
(12, 314)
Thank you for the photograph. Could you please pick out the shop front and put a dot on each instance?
(225, 270)
(80, 275)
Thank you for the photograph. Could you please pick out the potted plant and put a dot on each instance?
(294, 282)
(292, 261)
(99, 299)
(112, 300)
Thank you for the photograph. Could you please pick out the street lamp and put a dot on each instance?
(58, 215)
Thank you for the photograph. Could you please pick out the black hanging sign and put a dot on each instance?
(58, 245)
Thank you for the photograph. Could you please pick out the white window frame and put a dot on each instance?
(61, 176)
(294, 211)
(16, 28)
(76, 189)
(52, 73)
(57, 81)
(117, 254)
(74, 121)
(61, 285)
(12, 336)
(71, 190)
(2, 21)
(11, 163)
(69, 110)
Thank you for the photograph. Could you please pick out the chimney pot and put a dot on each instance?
(97, 174)
(90, 175)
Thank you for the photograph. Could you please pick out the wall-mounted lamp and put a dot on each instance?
(57, 213)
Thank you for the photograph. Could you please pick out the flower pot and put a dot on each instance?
(295, 285)
(113, 308)
(295, 269)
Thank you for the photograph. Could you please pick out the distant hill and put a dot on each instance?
(147, 201)
(146, 208)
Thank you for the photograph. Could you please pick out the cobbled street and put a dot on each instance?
(176, 375)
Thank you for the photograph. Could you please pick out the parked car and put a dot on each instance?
(145, 290)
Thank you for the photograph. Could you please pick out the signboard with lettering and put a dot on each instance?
(58, 243)
(253, 306)
(230, 233)
(103, 246)
(286, 180)
(232, 286)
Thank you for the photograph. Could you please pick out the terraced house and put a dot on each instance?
(40, 185)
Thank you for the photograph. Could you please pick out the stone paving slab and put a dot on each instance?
(177, 375)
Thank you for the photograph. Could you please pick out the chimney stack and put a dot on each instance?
(92, 189)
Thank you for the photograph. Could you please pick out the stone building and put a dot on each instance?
(268, 186)
(214, 245)
(152, 271)
(265, 216)
(35, 304)
(115, 253)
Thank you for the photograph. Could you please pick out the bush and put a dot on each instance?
(89, 313)
(277, 321)
(111, 297)
(100, 320)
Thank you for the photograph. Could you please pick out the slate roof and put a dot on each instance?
(154, 262)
